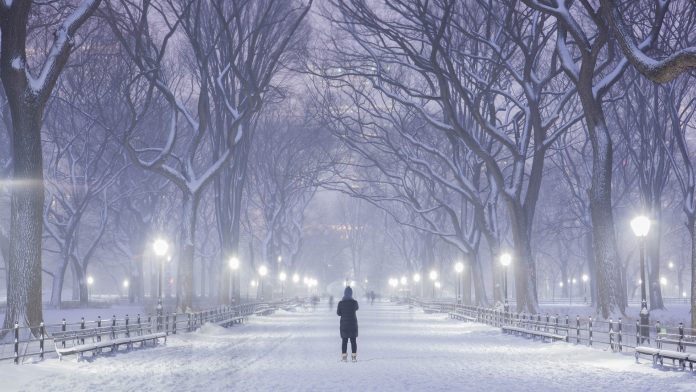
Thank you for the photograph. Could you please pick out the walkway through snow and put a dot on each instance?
(399, 349)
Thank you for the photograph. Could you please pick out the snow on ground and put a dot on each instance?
(399, 349)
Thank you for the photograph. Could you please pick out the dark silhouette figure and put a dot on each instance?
(372, 297)
(331, 302)
(349, 323)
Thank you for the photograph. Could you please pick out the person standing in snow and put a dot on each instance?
(346, 308)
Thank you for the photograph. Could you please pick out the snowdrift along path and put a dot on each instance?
(399, 349)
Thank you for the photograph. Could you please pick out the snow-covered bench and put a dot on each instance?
(432, 309)
(659, 355)
(534, 333)
(229, 321)
(264, 311)
(461, 316)
(96, 339)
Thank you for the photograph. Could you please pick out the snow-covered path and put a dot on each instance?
(399, 349)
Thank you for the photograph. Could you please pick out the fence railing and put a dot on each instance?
(35, 343)
(618, 335)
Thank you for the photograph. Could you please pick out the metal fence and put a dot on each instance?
(619, 335)
(22, 344)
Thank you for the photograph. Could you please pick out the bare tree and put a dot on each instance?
(27, 94)
(200, 28)
(675, 61)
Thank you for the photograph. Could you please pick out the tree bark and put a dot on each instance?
(611, 290)
(185, 274)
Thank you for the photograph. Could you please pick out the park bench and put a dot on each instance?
(461, 316)
(231, 319)
(95, 340)
(264, 311)
(679, 356)
(659, 355)
(432, 309)
(534, 333)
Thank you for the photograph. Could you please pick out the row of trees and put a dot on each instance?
(459, 130)
(461, 114)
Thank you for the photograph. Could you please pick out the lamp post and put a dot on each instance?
(90, 282)
(585, 278)
(126, 284)
(253, 284)
(458, 268)
(572, 283)
(505, 260)
(282, 278)
(417, 279)
(404, 284)
(433, 277)
(263, 270)
(641, 226)
(160, 247)
(438, 285)
(234, 266)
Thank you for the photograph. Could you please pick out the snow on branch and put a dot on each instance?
(660, 71)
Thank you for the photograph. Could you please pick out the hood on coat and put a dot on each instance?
(348, 293)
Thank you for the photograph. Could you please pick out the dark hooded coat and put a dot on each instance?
(346, 309)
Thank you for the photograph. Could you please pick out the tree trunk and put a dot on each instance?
(26, 219)
(57, 284)
(692, 230)
(479, 285)
(185, 274)
(611, 291)
(591, 268)
(653, 258)
(524, 266)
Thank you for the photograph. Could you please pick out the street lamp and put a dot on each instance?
(295, 278)
(282, 278)
(585, 278)
(417, 279)
(253, 284)
(160, 247)
(125, 286)
(263, 271)
(433, 277)
(234, 266)
(90, 282)
(572, 283)
(505, 260)
(458, 268)
(641, 226)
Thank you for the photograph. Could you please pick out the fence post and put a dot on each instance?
(174, 323)
(149, 323)
(681, 337)
(166, 323)
(42, 331)
(546, 325)
(567, 328)
(188, 326)
(127, 331)
(590, 332)
(555, 328)
(620, 337)
(113, 326)
(63, 328)
(657, 335)
(637, 333)
(611, 334)
(538, 325)
(82, 326)
(99, 328)
(140, 326)
(577, 329)
(16, 343)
